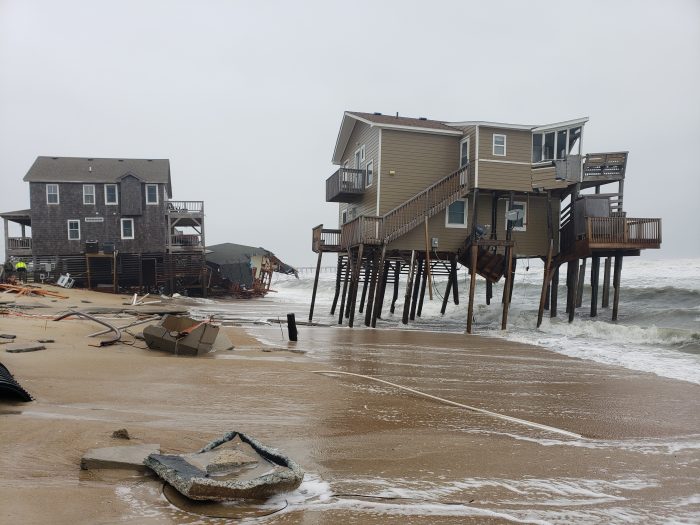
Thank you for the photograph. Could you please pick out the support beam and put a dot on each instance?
(616, 285)
(489, 291)
(397, 278)
(379, 301)
(595, 270)
(450, 276)
(421, 294)
(606, 284)
(416, 288)
(508, 286)
(581, 280)
(554, 293)
(338, 280)
(455, 288)
(427, 269)
(574, 267)
(313, 293)
(345, 290)
(374, 271)
(368, 271)
(545, 282)
(409, 285)
(353, 286)
(472, 287)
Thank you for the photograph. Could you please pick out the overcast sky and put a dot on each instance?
(246, 98)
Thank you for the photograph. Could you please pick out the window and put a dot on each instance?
(518, 216)
(52, 194)
(370, 173)
(127, 228)
(536, 147)
(555, 144)
(73, 230)
(360, 158)
(151, 194)
(456, 214)
(344, 217)
(499, 145)
(464, 152)
(111, 195)
(88, 194)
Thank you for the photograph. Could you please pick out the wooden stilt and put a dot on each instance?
(547, 297)
(507, 287)
(472, 287)
(448, 288)
(354, 286)
(421, 294)
(338, 279)
(573, 289)
(512, 277)
(416, 288)
(397, 277)
(427, 269)
(455, 287)
(579, 285)
(616, 285)
(545, 281)
(595, 270)
(379, 302)
(374, 271)
(368, 270)
(345, 290)
(489, 291)
(313, 293)
(605, 301)
(554, 293)
(409, 285)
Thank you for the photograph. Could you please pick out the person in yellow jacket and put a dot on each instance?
(21, 269)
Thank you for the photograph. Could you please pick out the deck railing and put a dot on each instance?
(623, 230)
(323, 240)
(430, 201)
(363, 230)
(186, 206)
(186, 240)
(605, 165)
(19, 243)
(344, 182)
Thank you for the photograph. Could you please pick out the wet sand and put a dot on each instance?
(372, 453)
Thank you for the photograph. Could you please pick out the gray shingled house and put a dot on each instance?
(108, 222)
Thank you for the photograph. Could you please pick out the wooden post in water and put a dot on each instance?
(616, 285)
(368, 270)
(545, 282)
(554, 293)
(472, 287)
(345, 290)
(606, 284)
(377, 313)
(421, 294)
(416, 288)
(581, 281)
(507, 287)
(595, 270)
(446, 297)
(489, 291)
(372, 289)
(354, 286)
(338, 279)
(313, 294)
(455, 289)
(397, 277)
(409, 285)
(573, 289)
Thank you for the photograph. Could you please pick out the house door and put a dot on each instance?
(148, 272)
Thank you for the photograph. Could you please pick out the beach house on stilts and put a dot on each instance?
(417, 197)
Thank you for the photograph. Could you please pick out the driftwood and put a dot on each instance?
(30, 290)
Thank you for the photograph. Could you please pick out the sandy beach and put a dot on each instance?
(372, 453)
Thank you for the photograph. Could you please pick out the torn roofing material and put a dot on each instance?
(9, 387)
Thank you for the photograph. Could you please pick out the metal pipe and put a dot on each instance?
(104, 342)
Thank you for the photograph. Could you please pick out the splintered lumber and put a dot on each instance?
(29, 290)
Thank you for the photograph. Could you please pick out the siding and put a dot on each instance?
(50, 222)
(369, 136)
(416, 160)
(518, 144)
(544, 178)
(502, 176)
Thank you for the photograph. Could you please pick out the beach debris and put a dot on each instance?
(65, 281)
(9, 387)
(245, 469)
(135, 323)
(45, 341)
(181, 335)
(117, 334)
(8, 336)
(135, 301)
(29, 290)
(121, 457)
(16, 348)
(122, 433)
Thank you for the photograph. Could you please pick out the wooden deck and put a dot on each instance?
(346, 185)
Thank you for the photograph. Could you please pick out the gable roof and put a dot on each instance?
(88, 169)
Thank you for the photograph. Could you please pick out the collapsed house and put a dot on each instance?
(244, 271)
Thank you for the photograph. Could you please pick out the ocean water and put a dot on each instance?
(658, 329)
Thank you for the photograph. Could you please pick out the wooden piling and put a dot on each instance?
(409, 285)
(579, 286)
(338, 279)
(595, 270)
(472, 287)
(489, 291)
(313, 293)
(379, 303)
(416, 288)
(554, 293)
(374, 271)
(605, 301)
(616, 285)
(397, 277)
(448, 289)
(345, 290)
(421, 294)
(545, 282)
(455, 289)
(354, 286)
(368, 270)
(573, 289)
(507, 287)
